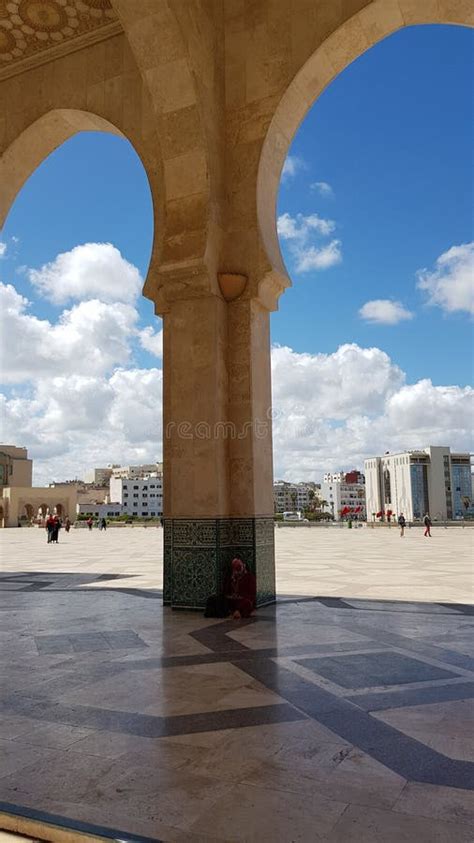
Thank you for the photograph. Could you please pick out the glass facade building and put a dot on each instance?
(419, 489)
(461, 489)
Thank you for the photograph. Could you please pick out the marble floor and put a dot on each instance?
(334, 715)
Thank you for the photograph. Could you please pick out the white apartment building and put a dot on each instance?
(293, 496)
(353, 476)
(142, 496)
(430, 479)
(340, 496)
(136, 472)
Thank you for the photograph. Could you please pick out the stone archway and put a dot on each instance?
(29, 512)
(374, 22)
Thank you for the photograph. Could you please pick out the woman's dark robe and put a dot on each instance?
(241, 593)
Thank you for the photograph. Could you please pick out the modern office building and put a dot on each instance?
(142, 496)
(430, 479)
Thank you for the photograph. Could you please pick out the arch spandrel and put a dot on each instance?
(371, 24)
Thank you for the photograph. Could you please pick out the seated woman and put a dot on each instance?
(241, 590)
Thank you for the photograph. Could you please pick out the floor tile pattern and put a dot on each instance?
(328, 718)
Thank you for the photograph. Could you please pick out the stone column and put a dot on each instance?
(217, 447)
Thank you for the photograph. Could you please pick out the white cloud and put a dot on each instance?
(302, 233)
(89, 339)
(384, 312)
(301, 227)
(292, 165)
(151, 341)
(451, 284)
(319, 258)
(71, 424)
(322, 187)
(332, 411)
(3, 249)
(93, 270)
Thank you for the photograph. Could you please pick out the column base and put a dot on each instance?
(198, 553)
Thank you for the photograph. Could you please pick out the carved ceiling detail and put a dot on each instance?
(35, 31)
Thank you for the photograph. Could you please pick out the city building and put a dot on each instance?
(100, 476)
(344, 499)
(136, 472)
(293, 496)
(430, 479)
(20, 501)
(142, 496)
(353, 476)
(15, 467)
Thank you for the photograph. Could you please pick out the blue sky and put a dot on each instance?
(393, 136)
(381, 168)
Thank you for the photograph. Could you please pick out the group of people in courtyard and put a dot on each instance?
(426, 521)
(102, 523)
(53, 526)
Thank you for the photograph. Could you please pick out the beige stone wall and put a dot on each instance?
(18, 501)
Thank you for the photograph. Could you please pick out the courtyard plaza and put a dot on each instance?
(341, 713)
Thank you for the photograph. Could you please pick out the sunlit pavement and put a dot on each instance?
(344, 713)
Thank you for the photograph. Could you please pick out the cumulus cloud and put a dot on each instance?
(384, 312)
(302, 234)
(319, 258)
(151, 341)
(90, 338)
(301, 227)
(291, 167)
(332, 411)
(322, 187)
(3, 249)
(450, 285)
(93, 270)
(71, 424)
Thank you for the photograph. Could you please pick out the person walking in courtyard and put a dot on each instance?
(67, 525)
(56, 528)
(402, 524)
(90, 523)
(103, 524)
(50, 528)
(427, 523)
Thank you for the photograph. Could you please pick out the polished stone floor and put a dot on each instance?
(332, 717)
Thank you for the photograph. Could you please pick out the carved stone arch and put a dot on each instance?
(374, 22)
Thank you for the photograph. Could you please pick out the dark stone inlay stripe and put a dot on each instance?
(216, 639)
(147, 725)
(404, 755)
(73, 825)
(239, 655)
(413, 696)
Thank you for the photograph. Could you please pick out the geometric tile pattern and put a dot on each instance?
(198, 553)
(322, 718)
(89, 642)
(373, 669)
